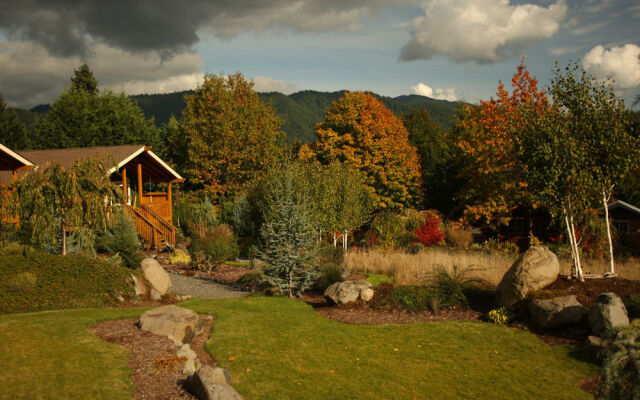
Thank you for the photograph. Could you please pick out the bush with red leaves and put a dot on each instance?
(430, 232)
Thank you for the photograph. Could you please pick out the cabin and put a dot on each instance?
(10, 164)
(134, 166)
(625, 218)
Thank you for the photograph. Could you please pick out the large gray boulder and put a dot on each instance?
(349, 291)
(212, 383)
(157, 277)
(177, 323)
(537, 268)
(606, 312)
(559, 311)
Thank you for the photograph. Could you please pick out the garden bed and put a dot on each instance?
(222, 273)
(587, 291)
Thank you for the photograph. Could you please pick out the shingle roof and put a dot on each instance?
(10, 160)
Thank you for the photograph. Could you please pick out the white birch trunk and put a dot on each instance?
(335, 239)
(344, 240)
(575, 244)
(605, 202)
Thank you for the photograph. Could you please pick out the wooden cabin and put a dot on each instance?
(134, 167)
(10, 164)
(625, 218)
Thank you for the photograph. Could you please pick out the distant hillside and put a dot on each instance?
(300, 111)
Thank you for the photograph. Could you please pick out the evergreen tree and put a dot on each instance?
(13, 133)
(83, 80)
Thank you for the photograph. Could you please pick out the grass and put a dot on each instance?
(378, 279)
(52, 355)
(39, 281)
(277, 348)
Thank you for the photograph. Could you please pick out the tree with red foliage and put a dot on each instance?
(430, 231)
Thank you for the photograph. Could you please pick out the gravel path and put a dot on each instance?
(197, 287)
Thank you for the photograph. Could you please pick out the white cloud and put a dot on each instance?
(266, 84)
(563, 50)
(437, 93)
(484, 31)
(31, 76)
(620, 63)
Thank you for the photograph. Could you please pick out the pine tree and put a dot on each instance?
(84, 80)
(13, 133)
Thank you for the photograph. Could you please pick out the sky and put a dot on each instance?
(444, 49)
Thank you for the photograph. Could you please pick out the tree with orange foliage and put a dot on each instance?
(485, 137)
(232, 136)
(360, 131)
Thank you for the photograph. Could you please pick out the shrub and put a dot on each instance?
(16, 249)
(391, 230)
(633, 306)
(410, 298)
(415, 248)
(329, 254)
(121, 238)
(214, 246)
(180, 257)
(41, 281)
(196, 217)
(457, 236)
(237, 213)
(499, 316)
(430, 233)
(621, 378)
(452, 286)
(255, 280)
(330, 273)
(494, 245)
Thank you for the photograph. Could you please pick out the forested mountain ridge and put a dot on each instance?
(300, 111)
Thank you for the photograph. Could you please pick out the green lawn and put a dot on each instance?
(281, 349)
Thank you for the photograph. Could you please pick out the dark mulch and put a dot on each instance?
(591, 385)
(361, 314)
(587, 291)
(157, 372)
(221, 273)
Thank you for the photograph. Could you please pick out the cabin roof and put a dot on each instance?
(153, 168)
(10, 160)
(619, 204)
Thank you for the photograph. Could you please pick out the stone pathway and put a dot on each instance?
(197, 287)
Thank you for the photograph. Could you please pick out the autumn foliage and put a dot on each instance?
(361, 132)
(430, 232)
(486, 137)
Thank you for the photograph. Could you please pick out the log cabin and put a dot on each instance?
(134, 166)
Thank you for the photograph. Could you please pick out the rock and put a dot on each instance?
(179, 324)
(537, 268)
(559, 311)
(594, 341)
(183, 297)
(155, 295)
(192, 364)
(120, 298)
(209, 383)
(607, 312)
(348, 291)
(156, 276)
(138, 287)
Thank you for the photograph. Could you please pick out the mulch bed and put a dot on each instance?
(157, 372)
(221, 273)
(587, 291)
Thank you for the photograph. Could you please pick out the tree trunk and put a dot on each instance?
(335, 239)
(290, 286)
(64, 237)
(574, 246)
(345, 240)
(605, 202)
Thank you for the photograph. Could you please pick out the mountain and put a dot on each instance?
(300, 111)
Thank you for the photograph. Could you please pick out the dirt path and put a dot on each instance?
(198, 287)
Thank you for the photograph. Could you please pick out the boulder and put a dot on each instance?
(212, 383)
(537, 268)
(559, 311)
(156, 276)
(138, 286)
(607, 311)
(192, 363)
(178, 324)
(348, 291)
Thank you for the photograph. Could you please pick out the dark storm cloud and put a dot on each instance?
(68, 27)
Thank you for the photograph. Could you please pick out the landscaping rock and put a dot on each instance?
(156, 276)
(138, 287)
(537, 268)
(192, 364)
(559, 311)
(209, 383)
(349, 291)
(607, 312)
(179, 324)
(594, 341)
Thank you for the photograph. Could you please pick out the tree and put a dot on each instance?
(361, 132)
(83, 80)
(176, 143)
(13, 133)
(288, 238)
(82, 118)
(595, 114)
(233, 137)
(485, 136)
(52, 199)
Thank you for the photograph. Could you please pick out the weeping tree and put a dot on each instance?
(288, 238)
(52, 200)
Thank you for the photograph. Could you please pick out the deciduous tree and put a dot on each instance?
(361, 132)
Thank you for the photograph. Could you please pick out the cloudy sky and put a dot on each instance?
(447, 49)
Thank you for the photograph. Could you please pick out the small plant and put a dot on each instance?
(621, 378)
(378, 279)
(451, 285)
(256, 281)
(633, 306)
(22, 282)
(180, 257)
(430, 233)
(499, 316)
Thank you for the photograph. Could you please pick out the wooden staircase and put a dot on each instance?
(152, 228)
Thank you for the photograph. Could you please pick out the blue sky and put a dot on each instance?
(452, 49)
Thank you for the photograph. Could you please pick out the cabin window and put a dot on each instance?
(621, 226)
